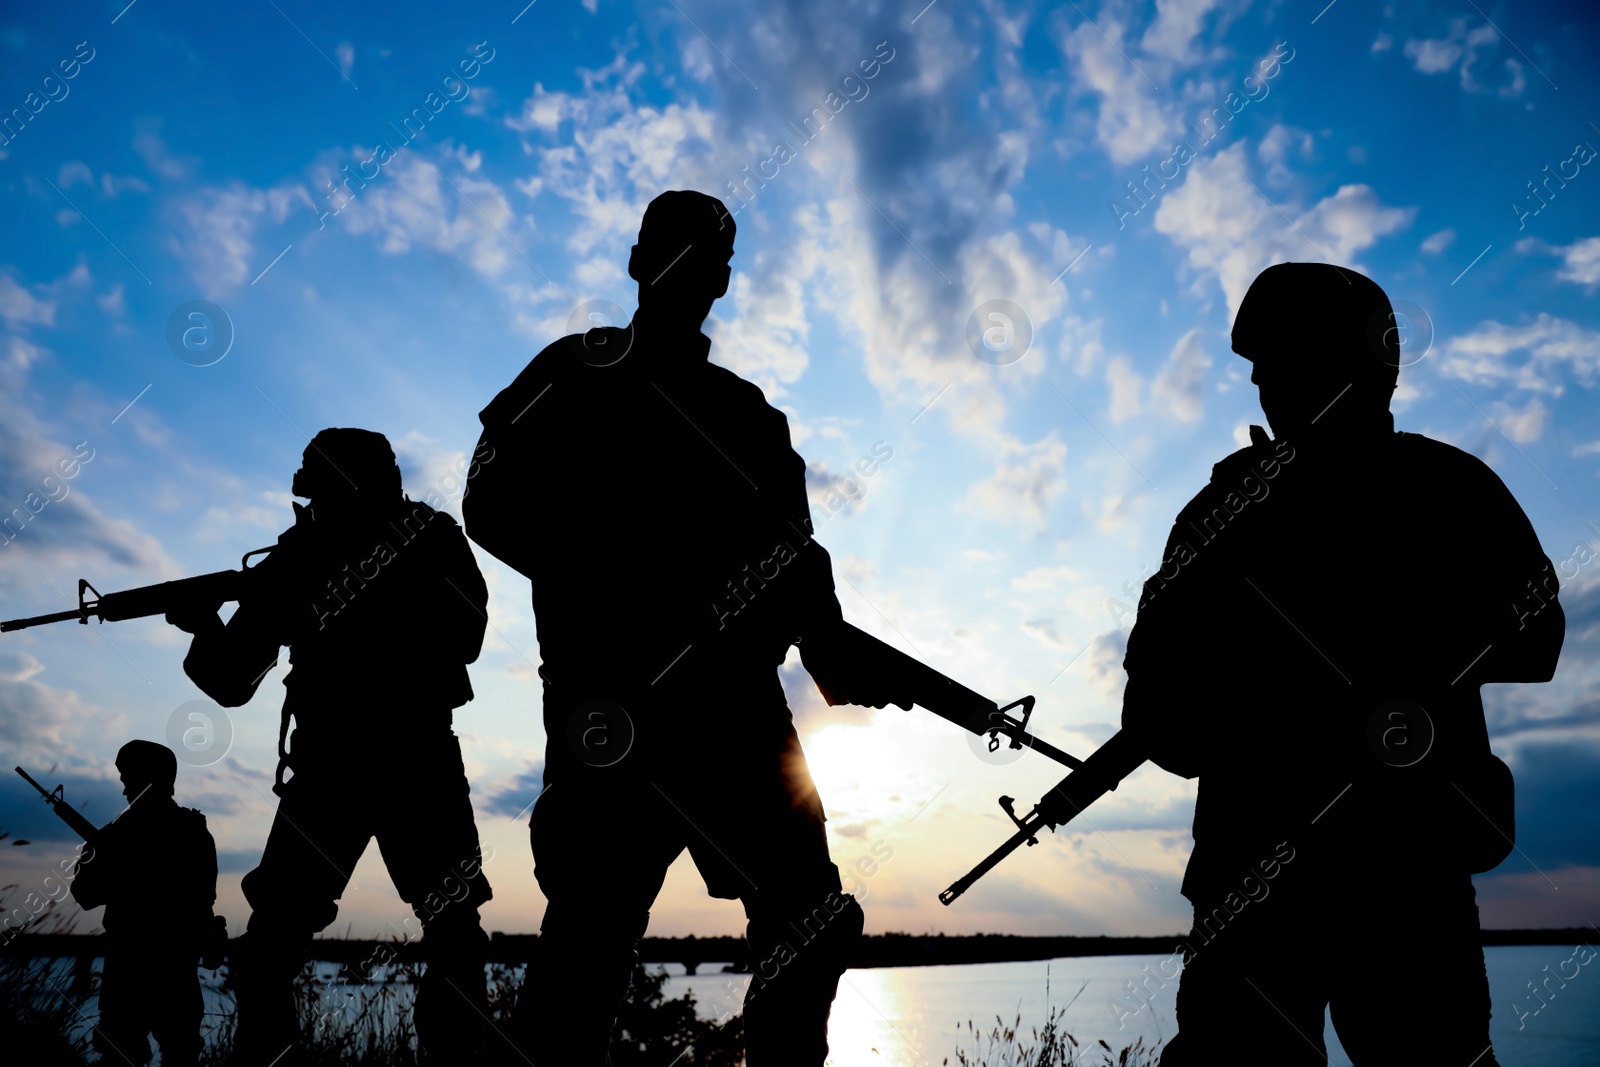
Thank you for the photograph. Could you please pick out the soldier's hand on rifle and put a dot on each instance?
(845, 677)
(194, 618)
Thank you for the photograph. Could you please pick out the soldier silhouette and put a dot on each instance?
(155, 869)
(655, 501)
(1312, 649)
(382, 605)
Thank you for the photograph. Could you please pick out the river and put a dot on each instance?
(917, 1016)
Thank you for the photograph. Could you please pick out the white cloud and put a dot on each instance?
(1438, 242)
(112, 303)
(618, 155)
(239, 521)
(1176, 25)
(21, 308)
(74, 172)
(1433, 56)
(42, 725)
(220, 223)
(1232, 233)
(1178, 390)
(51, 517)
(153, 150)
(1276, 145)
(1525, 425)
(1027, 478)
(1437, 55)
(764, 340)
(1548, 344)
(1132, 123)
(1126, 387)
(412, 205)
(1581, 262)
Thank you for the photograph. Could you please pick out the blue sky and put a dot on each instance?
(987, 158)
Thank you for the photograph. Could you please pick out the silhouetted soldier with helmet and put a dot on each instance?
(382, 606)
(1312, 649)
(154, 867)
(656, 503)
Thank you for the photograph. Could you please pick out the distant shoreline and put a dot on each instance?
(729, 953)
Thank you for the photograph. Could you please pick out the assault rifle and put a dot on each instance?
(1090, 779)
(203, 590)
(64, 811)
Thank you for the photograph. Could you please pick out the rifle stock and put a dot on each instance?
(218, 587)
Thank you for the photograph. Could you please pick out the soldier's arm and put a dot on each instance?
(93, 874)
(1525, 625)
(494, 517)
(466, 597)
(496, 509)
(228, 660)
(1166, 661)
(206, 882)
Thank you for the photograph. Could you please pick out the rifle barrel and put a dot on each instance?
(64, 811)
(29, 779)
(39, 620)
(203, 589)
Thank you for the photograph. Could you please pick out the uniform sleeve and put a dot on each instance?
(228, 662)
(465, 597)
(1167, 651)
(1523, 626)
(93, 874)
(206, 854)
(509, 451)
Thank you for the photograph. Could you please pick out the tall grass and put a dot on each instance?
(1005, 1045)
(47, 1011)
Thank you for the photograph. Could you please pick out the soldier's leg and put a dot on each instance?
(122, 1033)
(1439, 1012)
(1254, 987)
(601, 849)
(760, 837)
(317, 835)
(179, 1009)
(430, 845)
